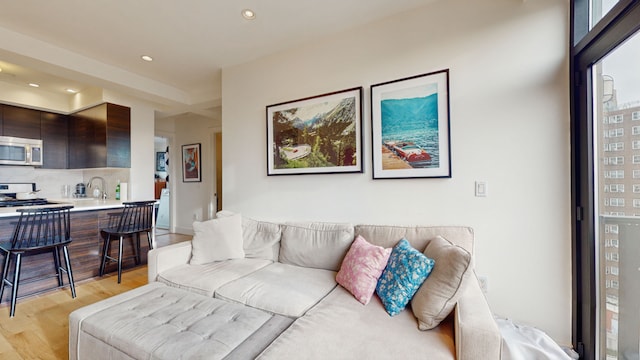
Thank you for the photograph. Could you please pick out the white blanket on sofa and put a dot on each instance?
(527, 343)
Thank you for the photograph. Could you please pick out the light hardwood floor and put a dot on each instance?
(40, 328)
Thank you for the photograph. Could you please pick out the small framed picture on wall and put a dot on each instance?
(161, 164)
(191, 169)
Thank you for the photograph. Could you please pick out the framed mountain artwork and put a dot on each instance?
(316, 135)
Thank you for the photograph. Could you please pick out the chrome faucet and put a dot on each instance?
(102, 188)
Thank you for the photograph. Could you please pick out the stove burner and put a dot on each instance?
(11, 202)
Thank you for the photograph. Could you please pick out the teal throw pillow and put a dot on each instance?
(406, 270)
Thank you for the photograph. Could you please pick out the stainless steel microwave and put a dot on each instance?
(20, 151)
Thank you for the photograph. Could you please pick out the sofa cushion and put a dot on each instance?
(315, 245)
(280, 288)
(205, 279)
(261, 239)
(418, 236)
(405, 272)
(340, 328)
(361, 268)
(439, 293)
(217, 239)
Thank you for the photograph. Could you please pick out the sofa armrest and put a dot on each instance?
(167, 257)
(476, 333)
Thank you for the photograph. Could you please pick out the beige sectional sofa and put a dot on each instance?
(288, 272)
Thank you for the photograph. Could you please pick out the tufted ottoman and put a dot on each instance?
(160, 322)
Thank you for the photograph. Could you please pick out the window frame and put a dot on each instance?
(588, 45)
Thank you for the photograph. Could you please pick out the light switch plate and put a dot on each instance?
(481, 188)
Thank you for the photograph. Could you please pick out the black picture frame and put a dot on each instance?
(316, 135)
(410, 127)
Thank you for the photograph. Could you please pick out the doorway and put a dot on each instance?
(162, 192)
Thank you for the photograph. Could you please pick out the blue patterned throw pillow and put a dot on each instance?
(405, 272)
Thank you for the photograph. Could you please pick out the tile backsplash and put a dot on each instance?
(50, 181)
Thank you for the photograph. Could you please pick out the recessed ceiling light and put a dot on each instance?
(72, 91)
(34, 85)
(147, 58)
(248, 14)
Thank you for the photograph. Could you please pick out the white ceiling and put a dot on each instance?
(98, 43)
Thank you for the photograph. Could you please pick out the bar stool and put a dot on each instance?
(38, 230)
(136, 217)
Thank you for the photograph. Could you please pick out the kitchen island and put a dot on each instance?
(87, 217)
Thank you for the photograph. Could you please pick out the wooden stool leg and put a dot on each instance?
(16, 280)
(105, 253)
(69, 273)
(56, 262)
(137, 249)
(120, 259)
(5, 272)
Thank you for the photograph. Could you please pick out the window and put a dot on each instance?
(616, 119)
(611, 229)
(616, 160)
(636, 174)
(616, 174)
(611, 243)
(598, 10)
(635, 130)
(615, 213)
(599, 83)
(636, 159)
(614, 202)
(612, 256)
(612, 284)
(612, 133)
(614, 188)
(619, 146)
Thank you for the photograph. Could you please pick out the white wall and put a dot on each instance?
(508, 64)
(193, 199)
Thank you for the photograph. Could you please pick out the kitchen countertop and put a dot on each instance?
(82, 204)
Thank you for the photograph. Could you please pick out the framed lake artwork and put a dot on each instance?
(191, 165)
(410, 127)
(316, 135)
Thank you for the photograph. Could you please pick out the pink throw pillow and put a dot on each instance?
(361, 268)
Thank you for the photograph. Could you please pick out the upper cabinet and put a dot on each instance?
(55, 140)
(20, 122)
(100, 137)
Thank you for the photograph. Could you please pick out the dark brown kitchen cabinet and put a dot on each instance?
(55, 140)
(20, 122)
(100, 137)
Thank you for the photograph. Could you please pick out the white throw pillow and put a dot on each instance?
(217, 239)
